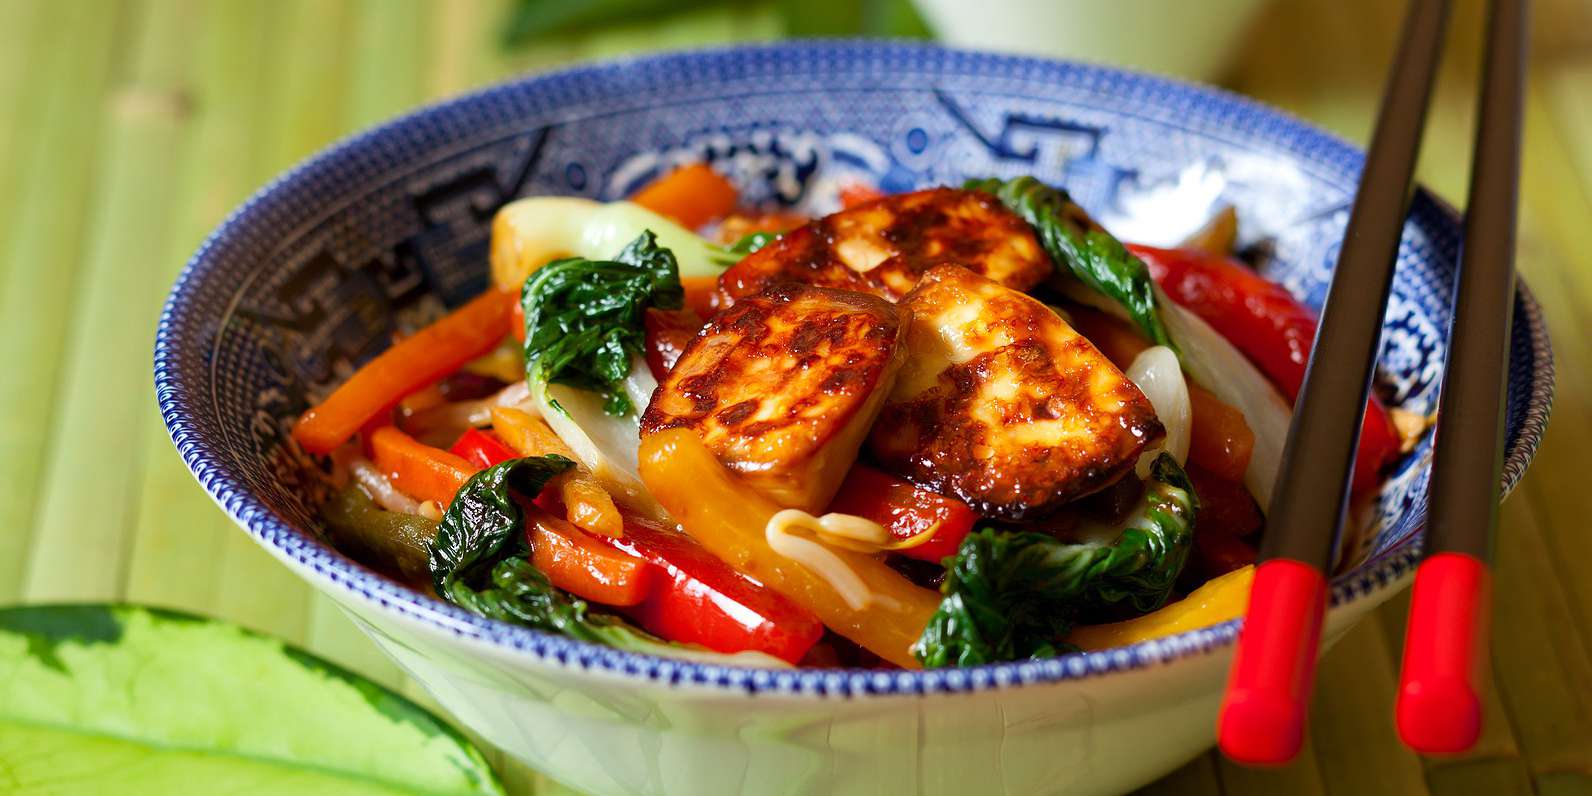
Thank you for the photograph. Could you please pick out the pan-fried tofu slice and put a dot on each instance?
(1003, 405)
(883, 246)
(783, 387)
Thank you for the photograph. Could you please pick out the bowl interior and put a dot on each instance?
(384, 231)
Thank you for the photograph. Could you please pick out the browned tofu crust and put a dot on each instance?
(1003, 405)
(882, 247)
(784, 385)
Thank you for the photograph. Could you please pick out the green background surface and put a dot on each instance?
(129, 128)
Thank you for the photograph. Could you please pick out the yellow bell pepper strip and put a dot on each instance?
(1217, 601)
(728, 519)
(418, 360)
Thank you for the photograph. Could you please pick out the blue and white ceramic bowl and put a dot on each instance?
(387, 229)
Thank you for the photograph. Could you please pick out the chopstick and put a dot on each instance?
(1263, 713)
(1445, 648)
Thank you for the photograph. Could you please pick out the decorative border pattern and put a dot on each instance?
(185, 334)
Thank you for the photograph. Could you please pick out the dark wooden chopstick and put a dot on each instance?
(1263, 714)
(1445, 649)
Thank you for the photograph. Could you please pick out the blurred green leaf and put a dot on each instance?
(534, 19)
(129, 700)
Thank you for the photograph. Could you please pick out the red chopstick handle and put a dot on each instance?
(1263, 716)
(1445, 655)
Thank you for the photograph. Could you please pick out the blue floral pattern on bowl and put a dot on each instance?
(313, 274)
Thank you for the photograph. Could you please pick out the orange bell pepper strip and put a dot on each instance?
(586, 503)
(584, 566)
(728, 519)
(417, 469)
(420, 359)
(692, 195)
(701, 295)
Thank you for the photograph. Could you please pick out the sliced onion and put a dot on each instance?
(1220, 368)
(607, 446)
(1159, 376)
(381, 490)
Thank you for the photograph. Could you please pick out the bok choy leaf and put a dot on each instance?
(1015, 595)
(1075, 242)
(583, 318)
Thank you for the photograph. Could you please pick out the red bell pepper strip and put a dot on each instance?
(668, 332)
(702, 600)
(1265, 322)
(1216, 555)
(1226, 507)
(905, 511)
(483, 448)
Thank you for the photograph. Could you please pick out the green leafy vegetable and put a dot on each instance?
(130, 700)
(583, 318)
(1015, 595)
(1075, 242)
(726, 256)
(480, 561)
(391, 540)
(484, 523)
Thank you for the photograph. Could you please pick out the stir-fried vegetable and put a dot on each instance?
(1159, 376)
(418, 360)
(729, 520)
(906, 511)
(583, 318)
(1272, 328)
(1217, 600)
(1013, 595)
(527, 234)
(482, 448)
(479, 560)
(699, 599)
(584, 566)
(421, 471)
(605, 445)
(1075, 242)
(484, 523)
(390, 540)
(693, 195)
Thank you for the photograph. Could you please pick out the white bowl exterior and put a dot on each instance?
(604, 733)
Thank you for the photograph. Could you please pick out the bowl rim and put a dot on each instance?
(318, 562)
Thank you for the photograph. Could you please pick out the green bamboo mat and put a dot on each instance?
(128, 129)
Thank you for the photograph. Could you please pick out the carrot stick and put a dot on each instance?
(433, 352)
(692, 195)
(419, 470)
(584, 566)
